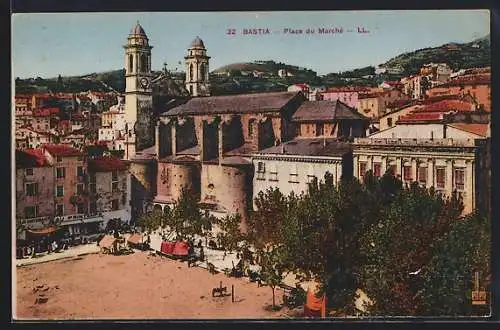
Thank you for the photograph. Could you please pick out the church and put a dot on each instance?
(206, 143)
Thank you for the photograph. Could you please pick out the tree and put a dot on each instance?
(273, 267)
(151, 220)
(266, 222)
(448, 278)
(186, 219)
(230, 236)
(398, 245)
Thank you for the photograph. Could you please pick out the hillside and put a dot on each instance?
(240, 78)
(269, 68)
(476, 53)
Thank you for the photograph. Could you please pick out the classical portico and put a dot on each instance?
(444, 164)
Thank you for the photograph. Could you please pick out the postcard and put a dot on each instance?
(251, 165)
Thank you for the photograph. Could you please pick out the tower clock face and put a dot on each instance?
(144, 82)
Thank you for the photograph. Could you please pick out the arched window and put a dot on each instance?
(191, 69)
(144, 63)
(130, 63)
(202, 72)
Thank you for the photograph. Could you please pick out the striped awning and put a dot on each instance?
(135, 238)
(43, 231)
(107, 241)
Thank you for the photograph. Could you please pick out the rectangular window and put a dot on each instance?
(459, 179)
(273, 173)
(377, 169)
(59, 191)
(422, 175)
(80, 208)
(114, 176)
(362, 170)
(93, 208)
(79, 171)
(29, 171)
(32, 189)
(79, 188)
(261, 169)
(389, 122)
(114, 186)
(393, 169)
(407, 173)
(59, 210)
(320, 129)
(310, 178)
(114, 204)
(60, 172)
(59, 159)
(31, 211)
(440, 177)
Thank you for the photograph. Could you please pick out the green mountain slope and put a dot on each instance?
(476, 53)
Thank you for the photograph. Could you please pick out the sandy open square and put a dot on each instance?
(136, 286)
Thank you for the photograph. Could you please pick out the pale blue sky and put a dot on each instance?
(79, 43)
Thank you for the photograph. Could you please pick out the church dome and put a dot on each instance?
(197, 43)
(138, 30)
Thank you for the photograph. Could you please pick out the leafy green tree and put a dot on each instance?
(273, 267)
(230, 235)
(332, 224)
(398, 246)
(448, 278)
(186, 219)
(151, 220)
(265, 224)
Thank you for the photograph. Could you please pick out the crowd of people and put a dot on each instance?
(40, 247)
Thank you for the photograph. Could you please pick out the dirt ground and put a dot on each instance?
(135, 286)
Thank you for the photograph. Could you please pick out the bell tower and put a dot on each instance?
(138, 90)
(197, 82)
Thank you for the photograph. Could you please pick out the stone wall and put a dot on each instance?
(44, 176)
(225, 186)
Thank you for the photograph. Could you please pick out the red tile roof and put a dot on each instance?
(106, 164)
(475, 79)
(374, 94)
(421, 116)
(399, 104)
(448, 105)
(61, 150)
(478, 129)
(352, 89)
(30, 158)
(46, 112)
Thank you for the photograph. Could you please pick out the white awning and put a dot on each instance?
(82, 221)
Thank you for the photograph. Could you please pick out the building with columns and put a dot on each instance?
(445, 164)
(206, 144)
(138, 91)
(197, 69)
